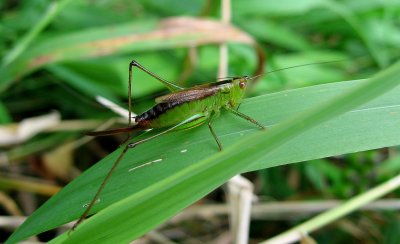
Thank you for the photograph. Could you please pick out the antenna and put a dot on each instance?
(300, 65)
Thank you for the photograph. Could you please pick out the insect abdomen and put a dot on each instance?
(172, 113)
(156, 111)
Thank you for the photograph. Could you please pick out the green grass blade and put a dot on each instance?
(189, 168)
(317, 222)
(140, 36)
(52, 11)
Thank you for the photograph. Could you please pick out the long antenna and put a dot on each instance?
(300, 65)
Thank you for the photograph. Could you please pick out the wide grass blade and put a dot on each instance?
(186, 166)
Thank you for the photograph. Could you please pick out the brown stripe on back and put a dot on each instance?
(188, 95)
(174, 99)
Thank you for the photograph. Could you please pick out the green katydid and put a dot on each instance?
(183, 108)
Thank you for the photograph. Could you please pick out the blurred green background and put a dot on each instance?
(62, 70)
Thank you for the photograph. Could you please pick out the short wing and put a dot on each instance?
(188, 94)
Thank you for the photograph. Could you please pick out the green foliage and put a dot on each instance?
(63, 66)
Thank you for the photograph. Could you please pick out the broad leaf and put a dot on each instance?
(186, 164)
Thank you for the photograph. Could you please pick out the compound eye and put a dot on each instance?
(242, 84)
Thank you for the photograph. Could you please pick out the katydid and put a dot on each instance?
(183, 108)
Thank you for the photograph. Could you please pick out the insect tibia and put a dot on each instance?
(114, 131)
